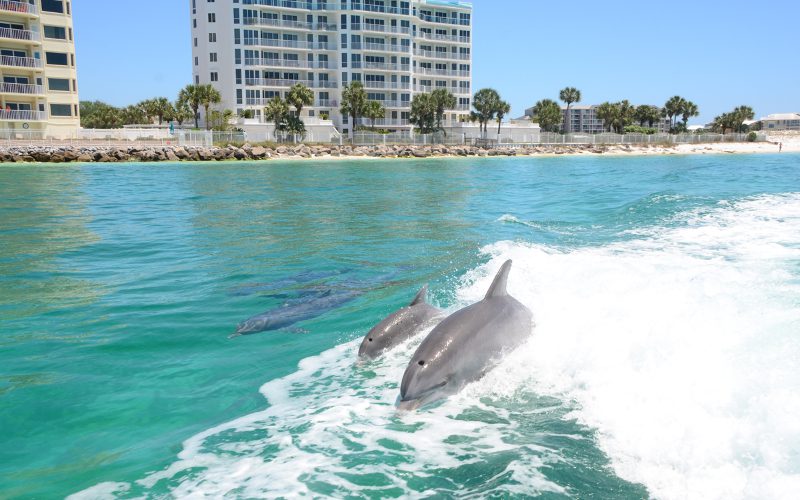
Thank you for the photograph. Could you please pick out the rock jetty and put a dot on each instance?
(111, 154)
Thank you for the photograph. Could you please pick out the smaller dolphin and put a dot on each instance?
(466, 345)
(399, 326)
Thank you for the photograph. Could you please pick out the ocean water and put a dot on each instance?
(664, 362)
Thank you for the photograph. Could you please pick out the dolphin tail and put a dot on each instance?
(498, 288)
(421, 297)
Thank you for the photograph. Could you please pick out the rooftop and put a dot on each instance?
(782, 116)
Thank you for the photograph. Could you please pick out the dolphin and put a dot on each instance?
(466, 345)
(294, 311)
(399, 326)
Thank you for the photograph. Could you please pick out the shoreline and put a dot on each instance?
(156, 154)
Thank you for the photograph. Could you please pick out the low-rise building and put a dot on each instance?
(781, 121)
(582, 119)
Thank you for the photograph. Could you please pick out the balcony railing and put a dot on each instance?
(380, 47)
(393, 104)
(442, 55)
(443, 20)
(445, 38)
(379, 28)
(20, 7)
(294, 4)
(15, 34)
(21, 88)
(387, 85)
(379, 8)
(442, 72)
(20, 62)
(429, 88)
(280, 23)
(290, 44)
(271, 82)
(380, 66)
(326, 103)
(287, 63)
(22, 115)
(384, 122)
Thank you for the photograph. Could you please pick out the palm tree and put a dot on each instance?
(607, 113)
(503, 108)
(547, 113)
(181, 112)
(740, 115)
(485, 103)
(209, 96)
(276, 111)
(443, 100)
(158, 107)
(354, 102)
(648, 114)
(689, 110)
(673, 107)
(423, 113)
(300, 95)
(192, 96)
(569, 95)
(374, 111)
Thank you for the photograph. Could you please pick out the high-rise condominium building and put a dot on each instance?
(254, 50)
(39, 91)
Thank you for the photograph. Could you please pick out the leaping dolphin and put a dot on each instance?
(399, 326)
(466, 345)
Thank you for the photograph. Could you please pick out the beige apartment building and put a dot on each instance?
(254, 50)
(39, 89)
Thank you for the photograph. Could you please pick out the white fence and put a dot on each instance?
(584, 139)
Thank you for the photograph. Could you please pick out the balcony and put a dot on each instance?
(428, 54)
(381, 9)
(380, 47)
(442, 72)
(384, 122)
(296, 25)
(380, 28)
(271, 82)
(289, 44)
(21, 88)
(429, 89)
(442, 20)
(22, 115)
(375, 66)
(387, 85)
(20, 35)
(445, 38)
(326, 103)
(288, 63)
(393, 104)
(21, 62)
(23, 8)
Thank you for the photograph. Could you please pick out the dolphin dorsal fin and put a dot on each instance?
(498, 288)
(421, 297)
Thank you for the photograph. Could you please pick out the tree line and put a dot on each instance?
(622, 116)
(100, 115)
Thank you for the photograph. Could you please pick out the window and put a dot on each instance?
(60, 110)
(197, 61)
(57, 58)
(59, 84)
(212, 37)
(214, 76)
(194, 23)
(56, 6)
(212, 17)
(197, 79)
(195, 41)
(55, 32)
(212, 57)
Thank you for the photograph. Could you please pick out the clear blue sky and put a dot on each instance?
(718, 54)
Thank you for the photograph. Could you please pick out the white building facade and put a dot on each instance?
(39, 89)
(254, 50)
(583, 119)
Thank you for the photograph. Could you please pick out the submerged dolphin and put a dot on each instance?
(466, 345)
(284, 283)
(293, 312)
(399, 326)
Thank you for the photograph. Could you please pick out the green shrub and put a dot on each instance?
(636, 129)
(751, 137)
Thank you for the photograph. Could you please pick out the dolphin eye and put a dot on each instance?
(422, 363)
(370, 340)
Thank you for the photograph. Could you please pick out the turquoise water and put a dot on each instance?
(666, 292)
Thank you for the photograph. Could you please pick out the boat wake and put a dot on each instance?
(668, 361)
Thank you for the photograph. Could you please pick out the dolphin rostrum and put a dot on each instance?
(399, 326)
(466, 345)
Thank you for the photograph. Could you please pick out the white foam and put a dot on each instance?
(680, 348)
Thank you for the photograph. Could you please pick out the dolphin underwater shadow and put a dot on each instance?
(295, 311)
(399, 326)
(466, 345)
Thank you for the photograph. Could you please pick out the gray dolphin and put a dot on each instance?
(466, 345)
(399, 326)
